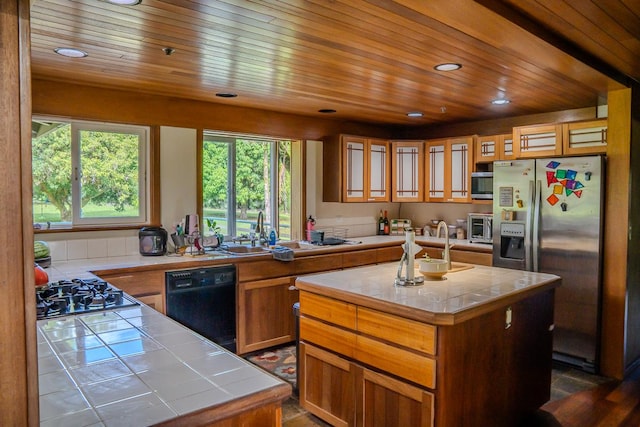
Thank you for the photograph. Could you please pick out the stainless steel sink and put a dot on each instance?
(242, 249)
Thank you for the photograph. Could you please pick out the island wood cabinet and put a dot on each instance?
(407, 167)
(448, 166)
(147, 287)
(494, 147)
(576, 138)
(363, 366)
(355, 169)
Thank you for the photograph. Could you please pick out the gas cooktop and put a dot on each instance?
(78, 296)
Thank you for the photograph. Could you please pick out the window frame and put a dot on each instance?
(144, 168)
(232, 139)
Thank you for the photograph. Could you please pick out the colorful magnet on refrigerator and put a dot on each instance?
(557, 189)
(553, 165)
(568, 191)
(571, 174)
(570, 184)
(551, 178)
(561, 174)
(552, 199)
(578, 193)
(578, 185)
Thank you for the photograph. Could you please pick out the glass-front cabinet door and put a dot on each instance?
(408, 171)
(354, 169)
(448, 165)
(379, 167)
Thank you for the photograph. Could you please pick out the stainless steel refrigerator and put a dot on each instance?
(548, 218)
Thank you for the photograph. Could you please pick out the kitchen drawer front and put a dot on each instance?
(405, 364)
(390, 254)
(314, 264)
(358, 258)
(258, 270)
(327, 309)
(138, 283)
(407, 333)
(327, 336)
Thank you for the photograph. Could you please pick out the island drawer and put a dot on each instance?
(398, 330)
(411, 366)
(330, 310)
(327, 336)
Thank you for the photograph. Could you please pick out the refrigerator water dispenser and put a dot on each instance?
(512, 240)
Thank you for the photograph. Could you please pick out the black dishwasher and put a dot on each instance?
(204, 300)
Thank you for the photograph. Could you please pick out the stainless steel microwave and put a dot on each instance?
(480, 228)
(482, 185)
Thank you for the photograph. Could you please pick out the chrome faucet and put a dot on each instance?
(445, 254)
(262, 233)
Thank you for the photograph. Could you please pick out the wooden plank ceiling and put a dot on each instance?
(370, 60)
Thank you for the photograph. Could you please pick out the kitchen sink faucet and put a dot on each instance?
(262, 233)
(445, 254)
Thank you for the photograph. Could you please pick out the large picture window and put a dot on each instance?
(88, 173)
(245, 175)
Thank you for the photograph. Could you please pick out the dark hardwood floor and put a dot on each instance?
(578, 399)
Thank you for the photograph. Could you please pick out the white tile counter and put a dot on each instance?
(135, 367)
(438, 301)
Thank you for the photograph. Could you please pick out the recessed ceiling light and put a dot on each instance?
(70, 52)
(125, 2)
(414, 114)
(226, 95)
(327, 111)
(447, 66)
(500, 101)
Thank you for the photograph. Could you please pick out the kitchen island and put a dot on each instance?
(473, 349)
(135, 367)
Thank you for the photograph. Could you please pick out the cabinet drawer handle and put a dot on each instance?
(293, 288)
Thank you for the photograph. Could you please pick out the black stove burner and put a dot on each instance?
(78, 296)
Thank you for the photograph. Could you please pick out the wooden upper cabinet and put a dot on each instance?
(448, 165)
(408, 171)
(355, 169)
(537, 141)
(585, 137)
(576, 138)
(494, 147)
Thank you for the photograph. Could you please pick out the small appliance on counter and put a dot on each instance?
(153, 241)
(480, 228)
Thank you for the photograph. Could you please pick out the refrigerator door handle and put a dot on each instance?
(535, 235)
(528, 225)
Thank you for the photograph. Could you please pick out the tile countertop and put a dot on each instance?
(81, 268)
(455, 298)
(135, 367)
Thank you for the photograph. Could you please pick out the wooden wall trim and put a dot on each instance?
(65, 99)
(615, 235)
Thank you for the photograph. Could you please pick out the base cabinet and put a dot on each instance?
(265, 316)
(344, 393)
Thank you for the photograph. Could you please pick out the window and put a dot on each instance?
(245, 175)
(88, 173)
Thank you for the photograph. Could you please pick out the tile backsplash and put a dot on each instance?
(68, 250)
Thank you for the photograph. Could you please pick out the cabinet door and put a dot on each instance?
(327, 386)
(378, 170)
(506, 150)
(458, 171)
(265, 314)
(585, 137)
(487, 148)
(388, 401)
(408, 171)
(537, 141)
(435, 166)
(354, 172)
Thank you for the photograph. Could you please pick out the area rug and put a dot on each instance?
(279, 361)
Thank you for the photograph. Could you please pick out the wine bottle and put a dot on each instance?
(386, 224)
(380, 224)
